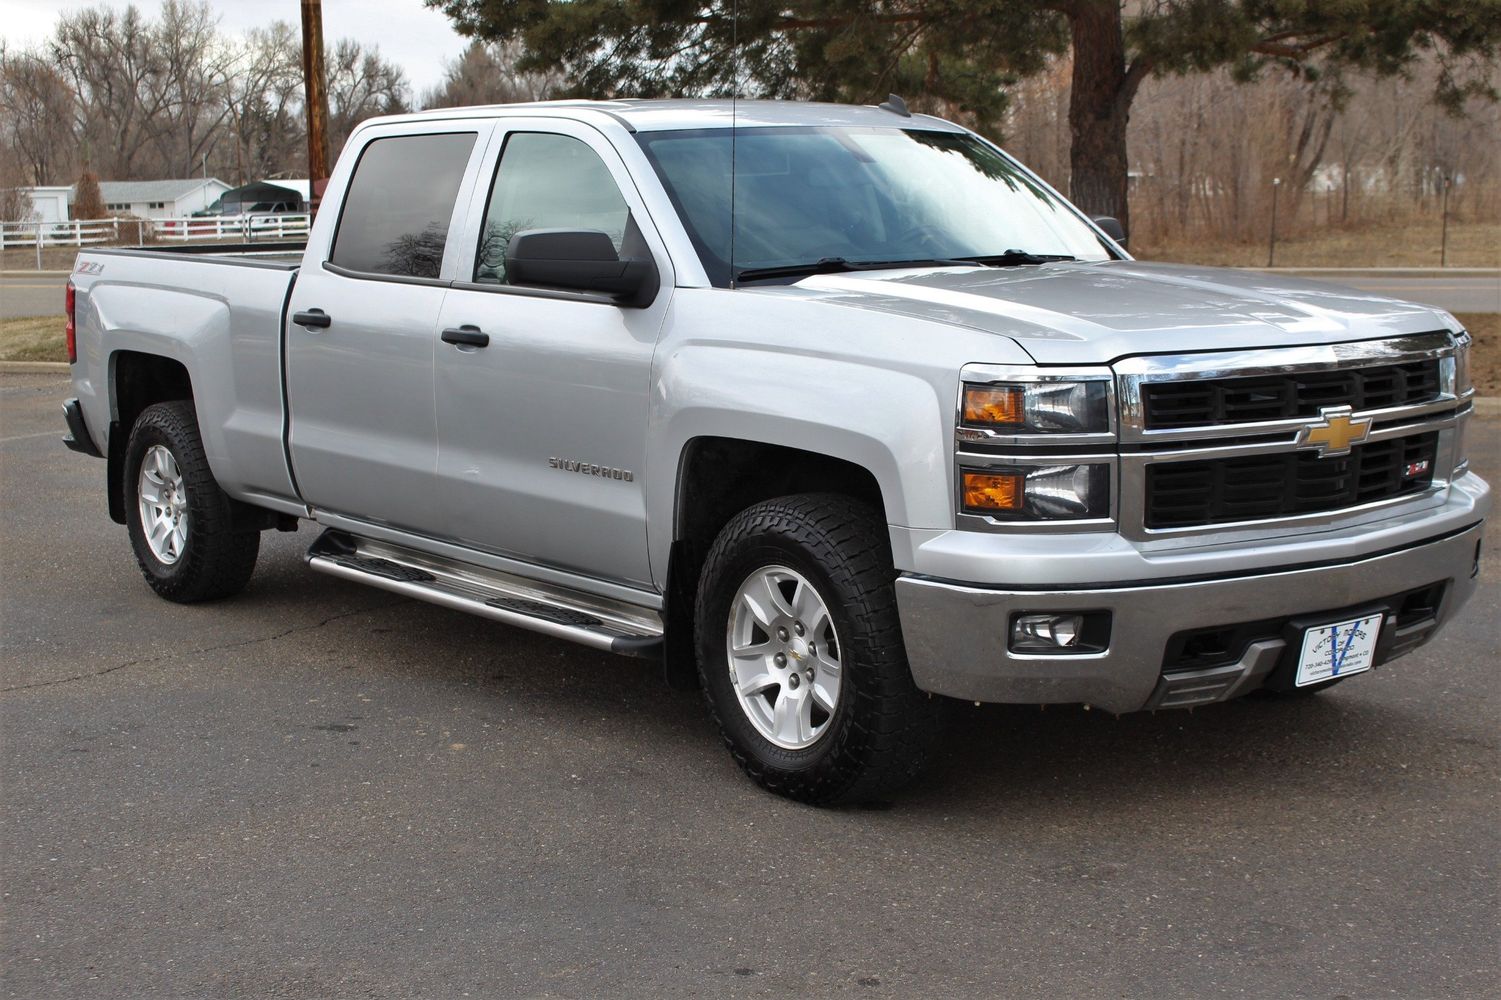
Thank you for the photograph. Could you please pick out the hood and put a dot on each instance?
(1094, 313)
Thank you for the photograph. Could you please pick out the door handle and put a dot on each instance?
(467, 336)
(313, 317)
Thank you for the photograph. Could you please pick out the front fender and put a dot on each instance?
(875, 391)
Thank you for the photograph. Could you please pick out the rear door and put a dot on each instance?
(542, 432)
(363, 323)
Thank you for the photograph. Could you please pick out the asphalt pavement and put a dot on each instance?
(317, 790)
(1460, 293)
(23, 294)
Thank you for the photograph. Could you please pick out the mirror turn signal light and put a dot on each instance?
(993, 491)
(994, 405)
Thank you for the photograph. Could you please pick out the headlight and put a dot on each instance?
(1462, 341)
(1063, 407)
(1040, 493)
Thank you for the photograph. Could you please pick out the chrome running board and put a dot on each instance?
(592, 621)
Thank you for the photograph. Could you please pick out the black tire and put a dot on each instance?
(216, 560)
(879, 735)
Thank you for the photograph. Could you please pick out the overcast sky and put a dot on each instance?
(416, 38)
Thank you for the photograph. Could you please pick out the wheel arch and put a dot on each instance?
(137, 379)
(719, 476)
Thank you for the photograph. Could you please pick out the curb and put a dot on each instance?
(34, 367)
(35, 274)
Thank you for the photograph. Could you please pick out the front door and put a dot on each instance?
(362, 329)
(542, 432)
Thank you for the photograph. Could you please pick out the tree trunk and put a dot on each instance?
(1099, 109)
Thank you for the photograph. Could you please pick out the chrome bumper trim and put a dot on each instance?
(956, 635)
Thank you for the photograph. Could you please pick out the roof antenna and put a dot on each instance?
(734, 115)
(895, 105)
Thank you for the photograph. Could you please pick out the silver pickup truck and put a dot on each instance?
(839, 412)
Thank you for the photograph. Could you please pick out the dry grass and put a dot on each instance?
(1413, 243)
(53, 259)
(32, 338)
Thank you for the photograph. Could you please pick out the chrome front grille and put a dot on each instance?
(1215, 443)
(1252, 398)
(1286, 484)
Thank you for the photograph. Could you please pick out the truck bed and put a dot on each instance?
(284, 256)
(216, 309)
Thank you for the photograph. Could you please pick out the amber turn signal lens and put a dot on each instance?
(992, 404)
(991, 491)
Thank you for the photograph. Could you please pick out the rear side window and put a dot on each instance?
(396, 211)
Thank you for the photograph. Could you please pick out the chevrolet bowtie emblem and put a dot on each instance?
(1335, 433)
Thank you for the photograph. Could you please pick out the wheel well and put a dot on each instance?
(717, 479)
(137, 381)
(720, 477)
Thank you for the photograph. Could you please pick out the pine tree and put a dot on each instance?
(957, 56)
(88, 203)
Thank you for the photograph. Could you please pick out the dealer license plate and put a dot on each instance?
(1338, 650)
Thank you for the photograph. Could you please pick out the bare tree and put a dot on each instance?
(189, 92)
(487, 73)
(111, 63)
(15, 205)
(360, 85)
(263, 97)
(35, 115)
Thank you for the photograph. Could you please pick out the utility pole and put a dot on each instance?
(1443, 250)
(315, 98)
(1271, 250)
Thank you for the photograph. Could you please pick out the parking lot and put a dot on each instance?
(318, 790)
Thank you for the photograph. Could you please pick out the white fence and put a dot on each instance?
(86, 232)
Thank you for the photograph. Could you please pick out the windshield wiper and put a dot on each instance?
(839, 265)
(1011, 258)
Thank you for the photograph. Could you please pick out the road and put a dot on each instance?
(316, 790)
(1456, 293)
(24, 294)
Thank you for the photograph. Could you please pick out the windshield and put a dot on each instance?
(858, 195)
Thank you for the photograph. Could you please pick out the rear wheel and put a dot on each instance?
(181, 523)
(800, 652)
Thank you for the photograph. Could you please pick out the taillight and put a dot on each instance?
(71, 328)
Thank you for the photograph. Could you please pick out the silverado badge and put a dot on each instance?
(1335, 433)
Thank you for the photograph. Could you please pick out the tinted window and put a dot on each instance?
(396, 211)
(547, 182)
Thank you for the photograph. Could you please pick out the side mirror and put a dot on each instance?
(580, 260)
(1112, 228)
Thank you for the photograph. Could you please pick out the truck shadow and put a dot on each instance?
(992, 761)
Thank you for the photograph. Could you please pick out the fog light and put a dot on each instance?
(1060, 633)
(1045, 633)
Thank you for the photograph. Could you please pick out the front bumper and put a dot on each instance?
(957, 634)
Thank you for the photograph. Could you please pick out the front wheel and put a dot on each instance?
(800, 652)
(181, 523)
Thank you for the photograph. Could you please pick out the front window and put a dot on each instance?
(858, 196)
(547, 181)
